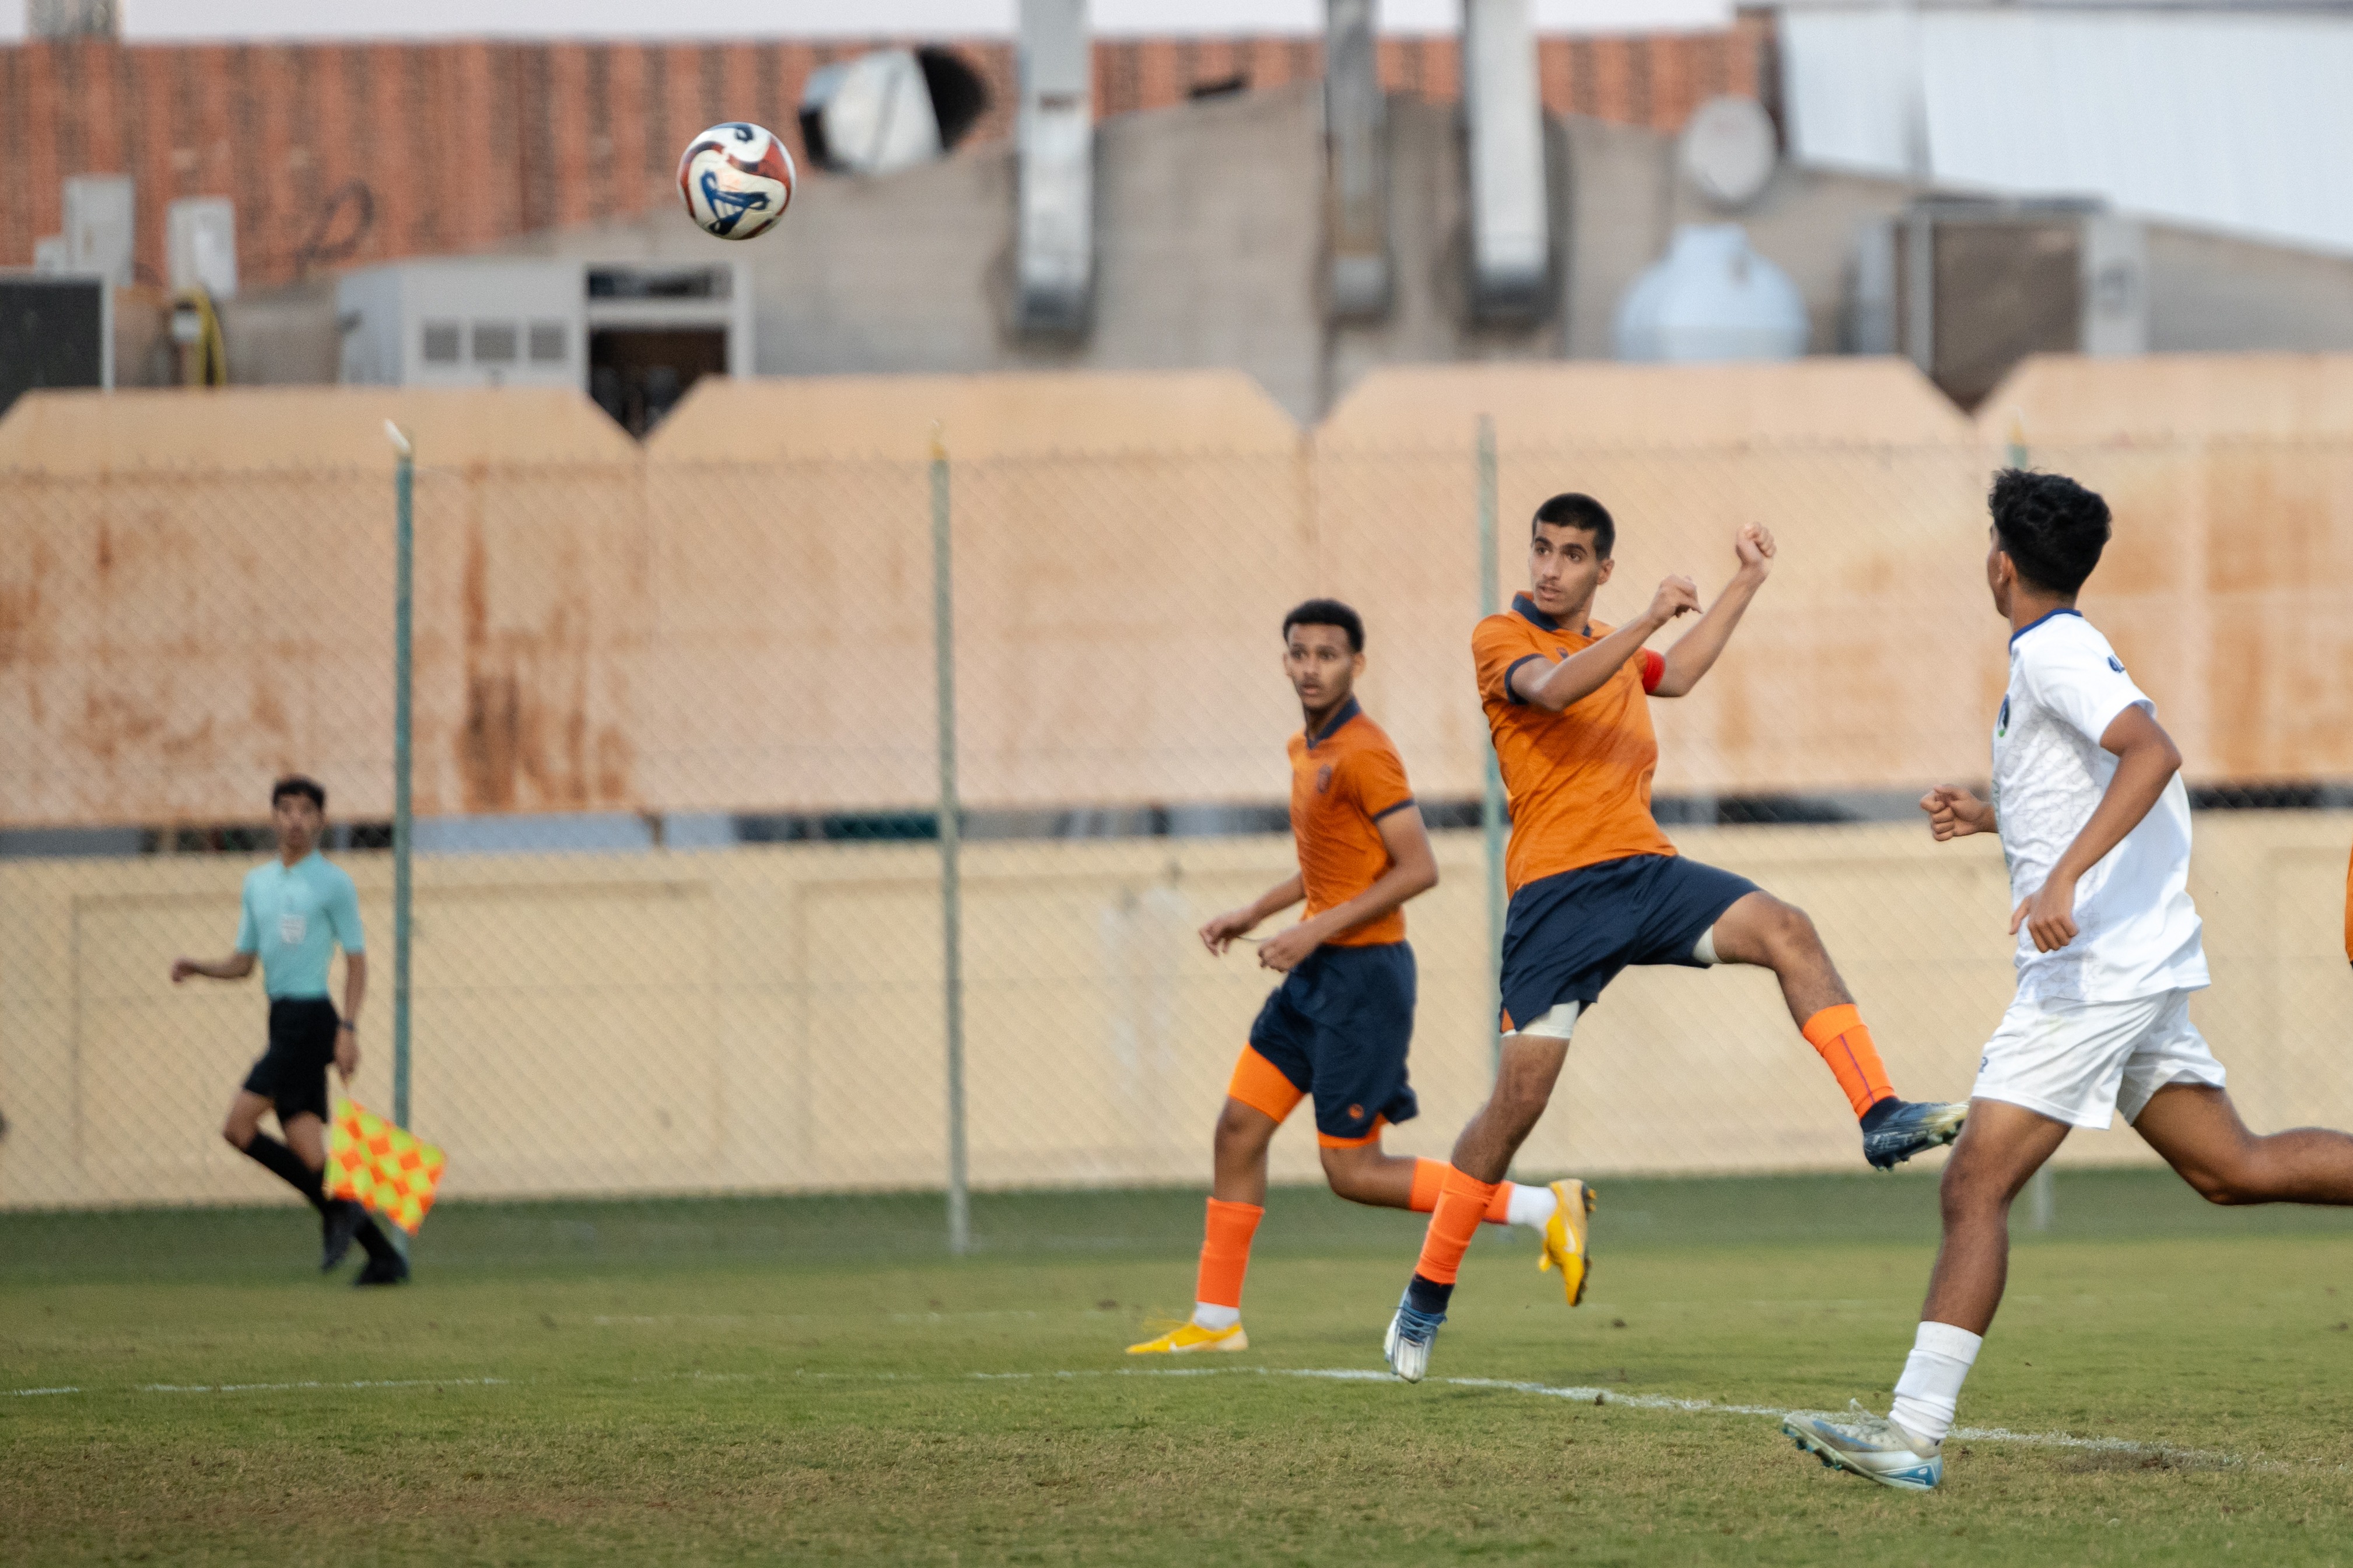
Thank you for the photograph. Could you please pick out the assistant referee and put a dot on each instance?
(298, 909)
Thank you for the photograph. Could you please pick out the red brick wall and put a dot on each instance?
(341, 154)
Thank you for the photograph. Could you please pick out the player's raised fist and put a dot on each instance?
(1754, 547)
(1955, 812)
(1676, 596)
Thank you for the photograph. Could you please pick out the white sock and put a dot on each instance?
(1530, 1205)
(1207, 1316)
(1930, 1389)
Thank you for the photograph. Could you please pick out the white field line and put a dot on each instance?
(1604, 1397)
(1571, 1393)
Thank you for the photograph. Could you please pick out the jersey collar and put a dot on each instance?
(1347, 711)
(2039, 620)
(1525, 608)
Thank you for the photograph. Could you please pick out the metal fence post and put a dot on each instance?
(950, 845)
(404, 487)
(1491, 811)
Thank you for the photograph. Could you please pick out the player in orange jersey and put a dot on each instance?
(1596, 886)
(1339, 1024)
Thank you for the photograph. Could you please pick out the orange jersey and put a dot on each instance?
(1579, 781)
(1344, 779)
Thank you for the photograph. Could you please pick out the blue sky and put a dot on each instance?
(163, 19)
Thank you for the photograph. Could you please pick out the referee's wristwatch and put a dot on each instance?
(342, 1024)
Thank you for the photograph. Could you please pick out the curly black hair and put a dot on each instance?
(2052, 528)
(1327, 613)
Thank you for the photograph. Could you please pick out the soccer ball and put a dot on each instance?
(737, 179)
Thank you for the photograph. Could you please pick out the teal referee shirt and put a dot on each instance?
(294, 918)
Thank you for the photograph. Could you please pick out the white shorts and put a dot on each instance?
(2081, 1062)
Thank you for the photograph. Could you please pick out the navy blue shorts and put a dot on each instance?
(1338, 1028)
(1568, 936)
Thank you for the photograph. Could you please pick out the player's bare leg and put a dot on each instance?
(1526, 1070)
(2198, 1130)
(1367, 1174)
(1761, 929)
(2003, 1147)
(1238, 1153)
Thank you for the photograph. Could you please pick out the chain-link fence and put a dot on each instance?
(683, 920)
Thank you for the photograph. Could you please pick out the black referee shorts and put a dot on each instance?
(292, 1073)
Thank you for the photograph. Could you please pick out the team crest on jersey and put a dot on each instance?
(1323, 779)
(2001, 724)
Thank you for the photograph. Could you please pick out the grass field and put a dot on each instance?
(811, 1381)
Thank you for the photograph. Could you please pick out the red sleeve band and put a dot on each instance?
(1654, 670)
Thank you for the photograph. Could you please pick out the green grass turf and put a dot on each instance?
(810, 1380)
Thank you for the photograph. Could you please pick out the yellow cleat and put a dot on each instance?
(1563, 1237)
(1187, 1337)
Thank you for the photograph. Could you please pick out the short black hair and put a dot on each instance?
(2052, 528)
(296, 783)
(1327, 613)
(1571, 509)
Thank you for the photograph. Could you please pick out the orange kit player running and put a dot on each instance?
(1339, 1024)
(1595, 886)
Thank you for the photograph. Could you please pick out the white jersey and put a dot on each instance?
(2138, 931)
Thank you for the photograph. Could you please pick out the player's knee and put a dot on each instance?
(1967, 1193)
(1240, 1128)
(1517, 1106)
(1790, 930)
(235, 1137)
(1345, 1169)
(2225, 1185)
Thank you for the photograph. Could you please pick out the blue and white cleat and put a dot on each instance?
(1869, 1445)
(1407, 1344)
(1912, 1127)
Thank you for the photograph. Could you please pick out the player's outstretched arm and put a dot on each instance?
(1413, 870)
(1219, 932)
(1696, 651)
(2147, 760)
(1556, 686)
(1955, 812)
(236, 966)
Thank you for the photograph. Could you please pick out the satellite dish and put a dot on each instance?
(1729, 150)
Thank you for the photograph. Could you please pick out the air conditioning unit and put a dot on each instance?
(55, 330)
(1964, 289)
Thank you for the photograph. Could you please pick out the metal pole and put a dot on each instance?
(950, 845)
(1491, 810)
(404, 552)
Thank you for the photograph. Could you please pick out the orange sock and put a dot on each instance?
(1462, 1203)
(1430, 1177)
(1225, 1252)
(1838, 1032)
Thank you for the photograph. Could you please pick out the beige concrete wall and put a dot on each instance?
(196, 593)
(769, 1019)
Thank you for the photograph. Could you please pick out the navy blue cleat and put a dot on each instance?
(1407, 1345)
(1895, 1130)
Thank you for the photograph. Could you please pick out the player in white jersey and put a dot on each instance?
(2095, 826)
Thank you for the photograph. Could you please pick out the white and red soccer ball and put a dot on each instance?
(737, 180)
